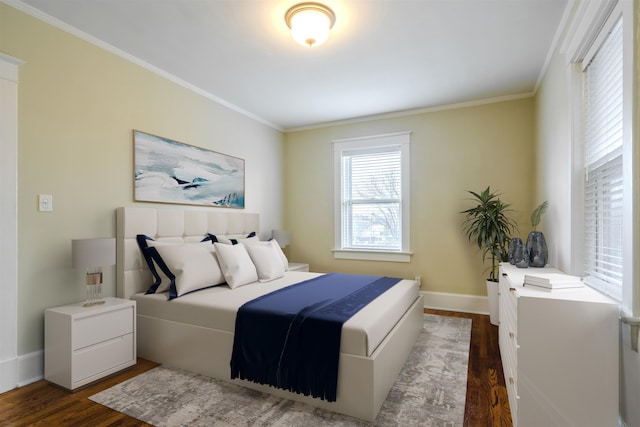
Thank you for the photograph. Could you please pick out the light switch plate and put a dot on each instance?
(45, 202)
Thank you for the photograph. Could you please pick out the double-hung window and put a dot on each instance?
(606, 227)
(603, 161)
(372, 197)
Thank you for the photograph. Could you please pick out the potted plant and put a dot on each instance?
(487, 225)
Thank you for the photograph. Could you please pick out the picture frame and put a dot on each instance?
(169, 171)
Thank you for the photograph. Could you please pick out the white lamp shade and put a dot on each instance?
(87, 253)
(282, 237)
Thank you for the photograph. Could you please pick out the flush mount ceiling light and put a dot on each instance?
(310, 23)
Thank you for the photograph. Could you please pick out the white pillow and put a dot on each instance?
(250, 240)
(165, 281)
(236, 264)
(283, 257)
(267, 261)
(194, 267)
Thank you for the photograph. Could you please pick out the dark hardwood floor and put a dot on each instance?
(43, 404)
(487, 399)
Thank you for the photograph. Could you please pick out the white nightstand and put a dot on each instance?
(84, 344)
(297, 266)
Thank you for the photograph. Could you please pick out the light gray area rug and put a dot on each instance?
(430, 391)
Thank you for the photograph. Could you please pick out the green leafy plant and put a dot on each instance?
(536, 215)
(488, 226)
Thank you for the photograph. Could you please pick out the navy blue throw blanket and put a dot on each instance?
(290, 338)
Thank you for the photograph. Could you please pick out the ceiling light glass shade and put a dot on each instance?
(310, 23)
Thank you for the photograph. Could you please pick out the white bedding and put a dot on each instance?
(216, 308)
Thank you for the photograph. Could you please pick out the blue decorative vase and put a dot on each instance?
(537, 249)
(515, 243)
(522, 256)
(518, 254)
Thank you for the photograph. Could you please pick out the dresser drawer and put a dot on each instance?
(511, 323)
(512, 391)
(90, 330)
(511, 356)
(96, 360)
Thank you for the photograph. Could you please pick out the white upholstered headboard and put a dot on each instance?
(169, 225)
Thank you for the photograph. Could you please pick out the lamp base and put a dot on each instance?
(91, 304)
(94, 290)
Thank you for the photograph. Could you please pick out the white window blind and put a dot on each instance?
(603, 135)
(372, 201)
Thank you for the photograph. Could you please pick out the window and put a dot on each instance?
(603, 162)
(605, 228)
(372, 197)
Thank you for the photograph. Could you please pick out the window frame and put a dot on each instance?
(402, 140)
(597, 19)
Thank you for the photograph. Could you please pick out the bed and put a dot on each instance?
(195, 332)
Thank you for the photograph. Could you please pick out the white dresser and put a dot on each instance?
(84, 344)
(559, 353)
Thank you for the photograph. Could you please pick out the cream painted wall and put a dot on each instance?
(78, 105)
(452, 151)
(554, 155)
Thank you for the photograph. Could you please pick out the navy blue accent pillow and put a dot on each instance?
(209, 238)
(186, 287)
(142, 240)
(155, 256)
(215, 239)
(150, 254)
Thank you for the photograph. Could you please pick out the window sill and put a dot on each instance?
(372, 255)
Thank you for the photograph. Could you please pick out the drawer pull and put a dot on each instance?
(504, 274)
(511, 380)
(512, 289)
(511, 335)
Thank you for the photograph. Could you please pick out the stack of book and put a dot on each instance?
(553, 281)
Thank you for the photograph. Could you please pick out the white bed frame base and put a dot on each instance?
(363, 382)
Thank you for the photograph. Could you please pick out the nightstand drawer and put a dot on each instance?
(96, 360)
(90, 330)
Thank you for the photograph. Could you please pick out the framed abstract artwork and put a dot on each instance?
(168, 171)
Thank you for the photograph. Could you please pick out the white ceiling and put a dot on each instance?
(383, 56)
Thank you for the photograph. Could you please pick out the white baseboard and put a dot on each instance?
(30, 368)
(8, 377)
(456, 302)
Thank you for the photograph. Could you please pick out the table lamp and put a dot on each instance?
(92, 255)
(282, 237)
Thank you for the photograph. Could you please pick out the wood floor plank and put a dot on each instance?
(487, 401)
(43, 404)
